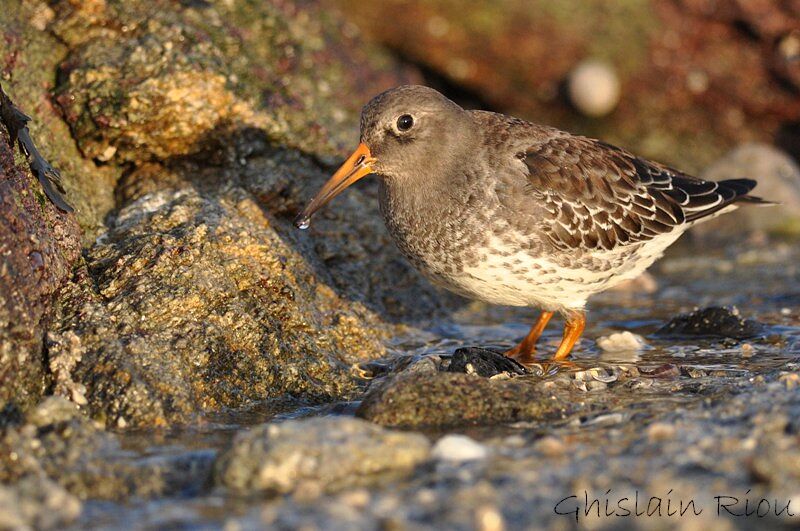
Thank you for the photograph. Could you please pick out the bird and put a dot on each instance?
(510, 212)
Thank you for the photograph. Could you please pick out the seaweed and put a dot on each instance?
(16, 122)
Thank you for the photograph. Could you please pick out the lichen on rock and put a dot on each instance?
(200, 304)
(28, 64)
(153, 80)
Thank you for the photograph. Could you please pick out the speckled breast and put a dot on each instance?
(438, 234)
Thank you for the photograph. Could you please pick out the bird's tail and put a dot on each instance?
(729, 192)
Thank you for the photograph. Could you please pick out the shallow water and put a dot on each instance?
(763, 284)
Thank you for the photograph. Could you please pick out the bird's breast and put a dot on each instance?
(440, 232)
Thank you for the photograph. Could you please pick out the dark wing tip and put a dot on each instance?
(755, 200)
(724, 194)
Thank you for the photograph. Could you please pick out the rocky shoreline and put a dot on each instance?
(174, 352)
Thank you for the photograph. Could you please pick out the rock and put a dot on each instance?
(483, 362)
(148, 97)
(660, 431)
(458, 449)
(152, 80)
(53, 410)
(711, 322)
(28, 69)
(594, 88)
(452, 399)
(35, 502)
(550, 446)
(334, 452)
(246, 106)
(39, 246)
(191, 303)
(57, 442)
(776, 461)
(741, 441)
(696, 44)
(621, 342)
(778, 177)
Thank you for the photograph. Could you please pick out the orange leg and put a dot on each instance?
(527, 348)
(576, 322)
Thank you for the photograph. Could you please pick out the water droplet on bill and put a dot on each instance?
(302, 223)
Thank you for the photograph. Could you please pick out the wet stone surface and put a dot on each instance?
(681, 420)
(326, 454)
(225, 314)
(483, 362)
(712, 322)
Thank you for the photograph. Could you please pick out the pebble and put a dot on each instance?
(459, 448)
(488, 518)
(621, 342)
(312, 456)
(660, 431)
(594, 88)
(593, 376)
(358, 498)
(607, 419)
(748, 351)
(790, 380)
(594, 385)
(550, 446)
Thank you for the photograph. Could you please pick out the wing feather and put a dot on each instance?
(601, 197)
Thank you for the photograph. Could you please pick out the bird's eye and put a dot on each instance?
(405, 122)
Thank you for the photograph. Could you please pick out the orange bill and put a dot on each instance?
(357, 165)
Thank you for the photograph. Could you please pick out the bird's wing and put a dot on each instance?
(593, 195)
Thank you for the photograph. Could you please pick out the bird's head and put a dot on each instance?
(407, 133)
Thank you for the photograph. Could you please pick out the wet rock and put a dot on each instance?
(152, 80)
(550, 446)
(776, 461)
(452, 399)
(660, 431)
(667, 371)
(347, 245)
(56, 441)
(483, 362)
(681, 449)
(27, 66)
(712, 322)
(39, 246)
(458, 449)
(778, 177)
(156, 91)
(333, 452)
(594, 88)
(191, 303)
(35, 502)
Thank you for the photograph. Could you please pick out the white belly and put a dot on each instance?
(518, 279)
